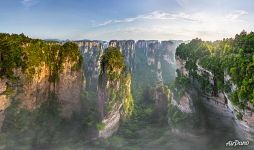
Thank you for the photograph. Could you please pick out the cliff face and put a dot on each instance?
(4, 100)
(46, 69)
(127, 48)
(114, 93)
(110, 81)
(32, 92)
(69, 88)
(91, 52)
(159, 57)
(219, 103)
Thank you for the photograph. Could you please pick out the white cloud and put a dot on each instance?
(236, 14)
(163, 26)
(155, 15)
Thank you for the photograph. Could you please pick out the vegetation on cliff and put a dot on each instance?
(19, 51)
(113, 72)
(112, 63)
(232, 57)
(25, 58)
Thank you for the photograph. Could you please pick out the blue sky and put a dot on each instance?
(132, 19)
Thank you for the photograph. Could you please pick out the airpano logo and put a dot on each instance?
(237, 143)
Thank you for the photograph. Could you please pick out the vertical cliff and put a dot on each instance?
(162, 100)
(5, 100)
(127, 48)
(159, 57)
(91, 52)
(114, 94)
(210, 68)
(47, 69)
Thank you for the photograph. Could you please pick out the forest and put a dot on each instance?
(231, 57)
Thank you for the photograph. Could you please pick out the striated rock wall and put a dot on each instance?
(108, 106)
(160, 57)
(220, 103)
(68, 90)
(114, 92)
(31, 92)
(127, 48)
(91, 52)
(168, 51)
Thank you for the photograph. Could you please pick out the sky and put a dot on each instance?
(127, 19)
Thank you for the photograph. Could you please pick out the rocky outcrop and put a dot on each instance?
(184, 104)
(127, 48)
(159, 57)
(114, 94)
(220, 103)
(4, 99)
(68, 89)
(34, 91)
(157, 53)
(91, 52)
(31, 92)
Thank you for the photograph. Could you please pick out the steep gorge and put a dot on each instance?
(86, 91)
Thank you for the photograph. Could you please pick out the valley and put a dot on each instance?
(125, 94)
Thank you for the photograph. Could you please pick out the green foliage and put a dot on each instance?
(8, 91)
(176, 116)
(113, 71)
(239, 116)
(228, 56)
(112, 63)
(180, 85)
(128, 103)
(19, 51)
(100, 126)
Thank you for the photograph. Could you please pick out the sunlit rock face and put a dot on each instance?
(32, 91)
(127, 48)
(91, 52)
(4, 100)
(184, 104)
(35, 90)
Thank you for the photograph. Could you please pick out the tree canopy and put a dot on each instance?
(233, 57)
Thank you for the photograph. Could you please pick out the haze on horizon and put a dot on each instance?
(132, 19)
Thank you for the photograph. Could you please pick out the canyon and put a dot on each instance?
(96, 91)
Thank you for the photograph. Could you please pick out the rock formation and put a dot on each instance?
(114, 94)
